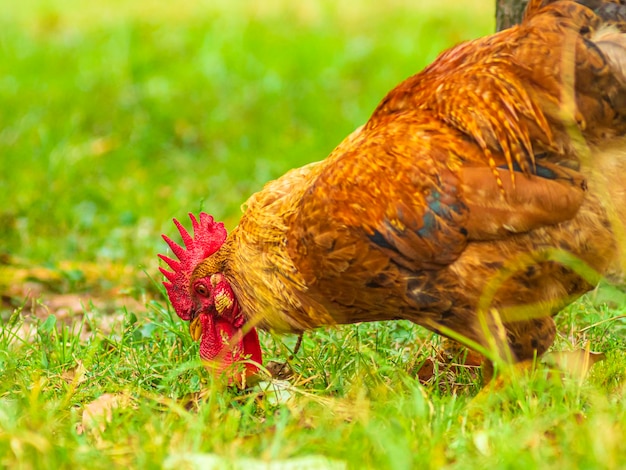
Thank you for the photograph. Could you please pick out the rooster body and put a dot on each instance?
(452, 207)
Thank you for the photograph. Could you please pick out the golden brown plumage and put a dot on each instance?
(456, 205)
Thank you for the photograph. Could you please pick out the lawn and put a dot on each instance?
(116, 117)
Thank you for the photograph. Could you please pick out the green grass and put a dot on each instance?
(116, 117)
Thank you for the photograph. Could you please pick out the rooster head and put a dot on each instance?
(201, 294)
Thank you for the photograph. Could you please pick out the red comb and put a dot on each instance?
(208, 237)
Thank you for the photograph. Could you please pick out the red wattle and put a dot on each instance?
(252, 348)
(222, 344)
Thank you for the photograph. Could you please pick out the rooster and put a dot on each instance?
(474, 202)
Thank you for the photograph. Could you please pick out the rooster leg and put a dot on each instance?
(481, 402)
(296, 348)
(528, 340)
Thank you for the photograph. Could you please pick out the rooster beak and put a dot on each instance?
(195, 327)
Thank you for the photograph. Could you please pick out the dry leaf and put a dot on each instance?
(279, 370)
(98, 413)
(42, 291)
(575, 363)
(455, 352)
(449, 362)
(427, 371)
(75, 375)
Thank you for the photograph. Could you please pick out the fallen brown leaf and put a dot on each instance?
(575, 363)
(77, 375)
(279, 370)
(38, 292)
(451, 359)
(455, 352)
(426, 371)
(69, 289)
(99, 413)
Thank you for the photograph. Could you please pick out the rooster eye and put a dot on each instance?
(201, 289)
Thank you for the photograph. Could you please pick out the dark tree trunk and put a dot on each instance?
(509, 12)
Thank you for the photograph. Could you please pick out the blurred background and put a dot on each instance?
(116, 116)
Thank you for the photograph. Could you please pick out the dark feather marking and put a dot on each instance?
(541, 171)
(379, 239)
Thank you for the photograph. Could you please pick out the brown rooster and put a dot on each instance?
(474, 202)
